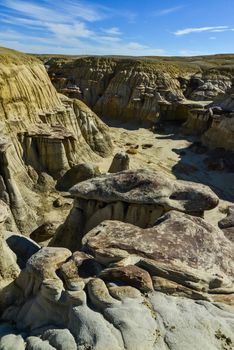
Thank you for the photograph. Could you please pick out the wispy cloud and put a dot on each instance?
(167, 11)
(112, 31)
(186, 31)
(63, 12)
(69, 27)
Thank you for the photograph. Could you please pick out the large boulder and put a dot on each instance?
(142, 289)
(120, 162)
(139, 197)
(76, 174)
(227, 224)
(180, 247)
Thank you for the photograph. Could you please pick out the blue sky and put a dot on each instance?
(119, 27)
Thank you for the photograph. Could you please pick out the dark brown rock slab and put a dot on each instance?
(130, 275)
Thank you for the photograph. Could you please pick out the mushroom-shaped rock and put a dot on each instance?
(179, 247)
(120, 162)
(139, 197)
(147, 187)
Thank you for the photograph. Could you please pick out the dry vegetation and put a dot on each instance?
(8, 56)
(213, 64)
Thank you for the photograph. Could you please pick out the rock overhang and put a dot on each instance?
(147, 187)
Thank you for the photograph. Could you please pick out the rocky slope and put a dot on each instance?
(135, 265)
(175, 277)
(118, 88)
(42, 135)
(153, 89)
(215, 123)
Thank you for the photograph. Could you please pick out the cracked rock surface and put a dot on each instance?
(127, 288)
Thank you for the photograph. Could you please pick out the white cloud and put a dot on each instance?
(200, 29)
(112, 31)
(136, 46)
(212, 37)
(167, 11)
(63, 11)
(66, 28)
(77, 30)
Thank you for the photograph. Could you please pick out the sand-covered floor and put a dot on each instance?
(169, 152)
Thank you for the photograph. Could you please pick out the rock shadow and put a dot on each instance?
(214, 168)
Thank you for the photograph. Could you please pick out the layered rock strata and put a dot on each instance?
(139, 197)
(41, 132)
(153, 90)
(181, 298)
(215, 124)
(122, 89)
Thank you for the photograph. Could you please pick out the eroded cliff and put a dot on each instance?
(41, 133)
(151, 89)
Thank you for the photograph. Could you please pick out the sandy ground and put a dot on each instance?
(169, 153)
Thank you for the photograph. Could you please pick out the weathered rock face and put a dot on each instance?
(77, 173)
(180, 247)
(139, 197)
(215, 122)
(208, 85)
(45, 133)
(227, 224)
(9, 269)
(123, 89)
(181, 295)
(220, 133)
(144, 90)
(120, 162)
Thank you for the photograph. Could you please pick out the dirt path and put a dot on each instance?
(170, 153)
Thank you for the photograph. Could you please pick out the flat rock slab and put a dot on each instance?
(178, 242)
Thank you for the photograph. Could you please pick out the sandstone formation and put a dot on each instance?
(209, 84)
(227, 224)
(135, 266)
(9, 269)
(181, 298)
(40, 132)
(120, 162)
(44, 232)
(215, 122)
(118, 88)
(180, 247)
(154, 89)
(77, 173)
(139, 197)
